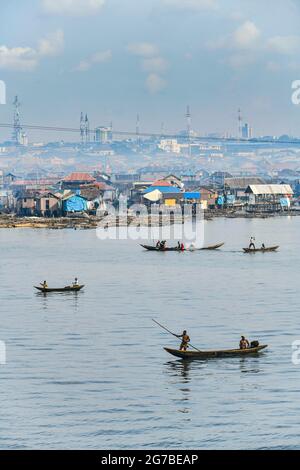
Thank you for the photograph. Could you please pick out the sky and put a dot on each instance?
(114, 59)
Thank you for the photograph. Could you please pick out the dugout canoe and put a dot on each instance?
(59, 289)
(261, 250)
(213, 247)
(153, 248)
(215, 354)
(175, 248)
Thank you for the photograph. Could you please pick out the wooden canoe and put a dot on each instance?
(261, 250)
(59, 289)
(175, 248)
(213, 247)
(153, 248)
(215, 354)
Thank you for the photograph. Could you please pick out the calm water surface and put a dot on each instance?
(88, 370)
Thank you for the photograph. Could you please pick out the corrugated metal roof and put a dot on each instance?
(79, 177)
(163, 189)
(161, 183)
(243, 182)
(191, 195)
(265, 189)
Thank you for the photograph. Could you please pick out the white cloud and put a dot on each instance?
(155, 83)
(97, 58)
(27, 58)
(155, 64)
(72, 7)
(143, 49)
(191, 4)
(52, 45)
(246, 35)
(152, 63)
(287, 45)
(18, 58)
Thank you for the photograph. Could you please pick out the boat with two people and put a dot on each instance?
(245, 348)
(252, 248)
(74, 287)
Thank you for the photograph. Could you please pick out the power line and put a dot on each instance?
(157, 135)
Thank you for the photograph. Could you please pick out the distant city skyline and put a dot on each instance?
(115, 59)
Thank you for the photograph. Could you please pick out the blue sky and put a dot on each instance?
(116, 58)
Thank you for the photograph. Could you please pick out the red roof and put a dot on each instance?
(161, 183)
(103, 186)
(79, 177)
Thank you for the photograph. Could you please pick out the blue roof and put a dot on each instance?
(191, 195)
(163, 189)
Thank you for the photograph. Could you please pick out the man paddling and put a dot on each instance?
(185, 339)
(244, 343)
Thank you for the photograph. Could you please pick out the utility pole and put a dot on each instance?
(17, 130)
(188, 127)
(87, 129)
(82, 128)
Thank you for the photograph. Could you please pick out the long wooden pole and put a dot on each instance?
(164, 328)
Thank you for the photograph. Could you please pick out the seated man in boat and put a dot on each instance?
(185, 339)
(44, 284)
(251, 244)
(162, 245)
(244, 343)
(158, 245)
(75, 283)
(263, 246)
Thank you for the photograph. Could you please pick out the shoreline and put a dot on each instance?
(93, 222)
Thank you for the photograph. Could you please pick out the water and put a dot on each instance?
(88, 370)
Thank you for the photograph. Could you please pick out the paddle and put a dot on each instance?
(164, 328)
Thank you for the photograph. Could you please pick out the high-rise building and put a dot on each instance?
(103, 134)
(247, 132)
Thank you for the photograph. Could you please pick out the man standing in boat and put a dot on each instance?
(251, 244)
(185, 339)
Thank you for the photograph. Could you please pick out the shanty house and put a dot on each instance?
(165, 192)
(208, 197)
(48, 205)
(269, 197)
(26, 203)
(237, 186)
(74, 203)
(76, 180)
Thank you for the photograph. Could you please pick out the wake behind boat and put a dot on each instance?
(59, 289)
(214, 354)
